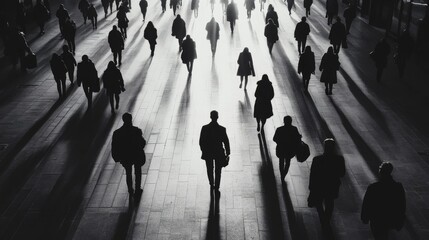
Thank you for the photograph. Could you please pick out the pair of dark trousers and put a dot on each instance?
(214, 179)
(129, 175)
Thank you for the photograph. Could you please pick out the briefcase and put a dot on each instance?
(30, 61)
(303, 152)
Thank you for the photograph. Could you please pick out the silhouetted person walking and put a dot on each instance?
(404, 51)
(83, 8)
(189, 53)
(306, 66)
(384, 204)
(331, 10)
(116, 43)
(349, 15)
(290, 4)
(163, 5)
(232, 14)
(245, 66)
(87, 75)
(195, 4)
(325, 174)
(329, 67)
(62, 15)
(150, 33)
(92, 15)
(20, 16)
(41, 15)
(69, 61)
(212, 28)
(307, 6)
(117, 2)
(263, 109)
(178, 30)
(379, 55)
(128, 149)
(302, 30)
(250, 5)
(114, 84)
(173, 5)
(105, 4)
(69, 33)
(271, 34)
(214, 146)
(59, 71)
(16, 48)
(122, 19)
(287, 139)
(143, 8)
(271, 14)
(337, 35)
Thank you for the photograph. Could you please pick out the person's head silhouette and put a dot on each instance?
(114, 27)
(214, 115)
(287, 120)
(338, 19)
(330, 50)
(329, 145)
(307, 49)
(265, 77)
(270, 7)
(85, 58)
(246, 49)
(303, 19)
(178, 16)
(150, 25)
(65, 48)
(385, 170)
(111, 65)
(127, 118)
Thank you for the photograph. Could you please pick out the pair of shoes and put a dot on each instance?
(117, 106)
(240, 85)
(326, 91)
(131, 192)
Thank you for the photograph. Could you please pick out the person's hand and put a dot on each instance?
(123, 89)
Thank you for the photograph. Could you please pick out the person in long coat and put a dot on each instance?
(287, 139)
(212, 28)
(163, 5)
(349, 15)
(173, 5)
(189, 53)
(337, 35)
(105, 4)
(92, 15)
(150, 33)
(250, 5)
(232, 14)
(331, 10)
(41, 15)
(329, 67)
(178, 30)
(306, 66)
(83, 8)
(59, 71)
(122, 19)
(271, 14)
(69, 33)
(271, 33)
(113, 83)
(384, 204)
(379, 55)
(195, 4)
(116, 43)
(16, 47)
(87, 75)
(143, 8)
(263, 109)
(245, 66)
(302, 30)
(290, 4)
(69, 61)
(62, 15)
(307, 6)
(325, 180)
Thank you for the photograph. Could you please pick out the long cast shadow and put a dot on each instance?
(270, 198)
(213, 229)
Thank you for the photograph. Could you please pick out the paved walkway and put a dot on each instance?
(58, 181)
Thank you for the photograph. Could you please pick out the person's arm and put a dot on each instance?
(226, 143)
(202, 141)
(251, 64)
(121, 81)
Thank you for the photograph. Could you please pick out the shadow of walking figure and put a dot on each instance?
(213, 229)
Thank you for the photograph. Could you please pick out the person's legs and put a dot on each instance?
(115, 57)
(138, 173)
(73, 44)
(180, 43)
(263, 120)
(379, 232)
(329, 208)
(117, 100)
(321, 213)
(218, 173)
(191, 66)
(330, 85)
(241, 80)
(246, 78)
(88, 94)
(270, 46)
(258, 120)
(231, 25)
(303, 44)
(326, 88)
(111, 101)
(71, 74)
(299, 46)
(287, 165)
(282, 167)
(58, 87)
(209, 165)
(129, 177)
(63, 84)
(120, 57)
(152, 48)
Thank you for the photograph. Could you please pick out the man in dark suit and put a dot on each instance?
(213, 139)
(384, 204)
(87, 75)
(127, 148)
